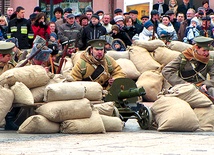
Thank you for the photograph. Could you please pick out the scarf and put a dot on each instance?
(169, 28)
(191, 54)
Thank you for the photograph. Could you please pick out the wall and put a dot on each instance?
(98, 5)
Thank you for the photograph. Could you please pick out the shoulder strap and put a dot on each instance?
(110, 68)
(183, 62)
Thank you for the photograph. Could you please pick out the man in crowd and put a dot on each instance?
(94, 65)
(20, 28)
(155, 19)
(185, 6)
(9, 13)
(106, 22)
(117, 12)
(144, 19)
(192, 66)
(161, 7)
(89, 12)
(137, 23)
(63, 20)
(173, 20)
(180, 17)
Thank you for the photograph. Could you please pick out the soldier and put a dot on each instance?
(94, 65)
(192, 66)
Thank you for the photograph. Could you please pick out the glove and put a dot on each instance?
(43, 25)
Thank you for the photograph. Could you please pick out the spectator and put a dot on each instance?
(173, 6)
(205, 29)
(161, 7)
(181, 32)
(205, 4)
(20, 28)
(155, 19)
(119, 20)
(93, 31)
(40, 26)
(52, 26)
(147, 33)
(144, 19)
(58, 12)
(185, 6)
(117, 12)
(89, 12)
(63, 20)
(136, 22)
(37, 10)
(100, 13)
(180, 17)
(173, 20)
(77, 17)
(191, 32)
(106, 22)
(3, 28)
(168, 27)
(84, 20)
(9, 13)
(129, 27)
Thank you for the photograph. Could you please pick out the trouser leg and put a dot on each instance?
(10, 118)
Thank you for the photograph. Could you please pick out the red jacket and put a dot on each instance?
(42, 32)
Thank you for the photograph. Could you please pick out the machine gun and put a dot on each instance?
(126, 95)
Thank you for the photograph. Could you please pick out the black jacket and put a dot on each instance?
(92, 32)
(165, 8)
(21, 29)
(123, 36)
(183, 9)
(131, 31)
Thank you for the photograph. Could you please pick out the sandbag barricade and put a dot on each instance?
(112, 124)
(105, 108)
(179, 46)
(117, 55)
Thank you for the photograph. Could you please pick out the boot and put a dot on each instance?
(10, 118)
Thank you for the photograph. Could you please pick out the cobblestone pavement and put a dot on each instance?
(132, 140)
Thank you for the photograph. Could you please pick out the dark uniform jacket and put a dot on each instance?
(92, 32)
(21, 29)
(165, 8)
(180, 72)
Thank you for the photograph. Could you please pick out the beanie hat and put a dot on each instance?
(118, 18)
(43, 55)
(195, 20)
(95, 16)
(148, 24)
(53, 34)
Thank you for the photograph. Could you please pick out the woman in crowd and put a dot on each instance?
(3, 28)
(129, 28)
(147, 33)
(205, 4)
(168, 27)
(173, 5)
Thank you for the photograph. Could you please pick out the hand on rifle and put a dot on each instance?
(204, 88)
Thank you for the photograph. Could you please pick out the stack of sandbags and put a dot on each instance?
(117, 55)
(179, 46)
(128, 68)
(174, 114)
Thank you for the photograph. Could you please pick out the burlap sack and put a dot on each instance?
(32, 76)
(75, 57)
(6, 100)
(94, 124)
(164, 55)
(64, 91)
(117, 55)
(112, 124)
(128, 68)
(179, 46)
(174, 114)
(22, 94)
(38, 92)
(149, 45)
(142, 59)
(166, 85)
(93, 90)
(206, 118)
(105, 108)
(152, 82)
(2, 123)
(60, 111)
(190, 94)
(67, 66)
(38, 124)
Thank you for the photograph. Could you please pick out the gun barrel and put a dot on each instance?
(132, 92)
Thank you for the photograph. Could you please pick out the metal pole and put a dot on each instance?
(51, 9)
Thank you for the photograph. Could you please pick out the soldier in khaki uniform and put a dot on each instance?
(94, 65)
(5, 56)
(192, 66)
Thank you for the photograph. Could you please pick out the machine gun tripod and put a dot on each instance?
(125, 94)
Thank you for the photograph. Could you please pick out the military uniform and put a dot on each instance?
(182, 69)
(86, 67)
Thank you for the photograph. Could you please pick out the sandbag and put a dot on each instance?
(112, 124)
(67, 66)
(22, 94)
(189, 93)
(166, 85)
(174, 114)
(128, 68)
(206, 118)
(105, 108)
(38, 124)
(93, 90)
(64, 91)
(142, 59)
(152, 82)
(150, 45)
(32, 76)
(94, 124)
(60, 111)
(6, 100)
(117, 55)
(2, 123)
(164, 55)
(179, 46)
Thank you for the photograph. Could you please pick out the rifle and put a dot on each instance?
(153, 33)
(66, 43)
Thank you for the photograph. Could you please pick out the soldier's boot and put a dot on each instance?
(10, 118)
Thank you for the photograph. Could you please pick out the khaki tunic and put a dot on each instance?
(5, 66)
(172, 72)
(76, 72)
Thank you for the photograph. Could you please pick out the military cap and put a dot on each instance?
(97, 43)
(204, 42)
(6, 47)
